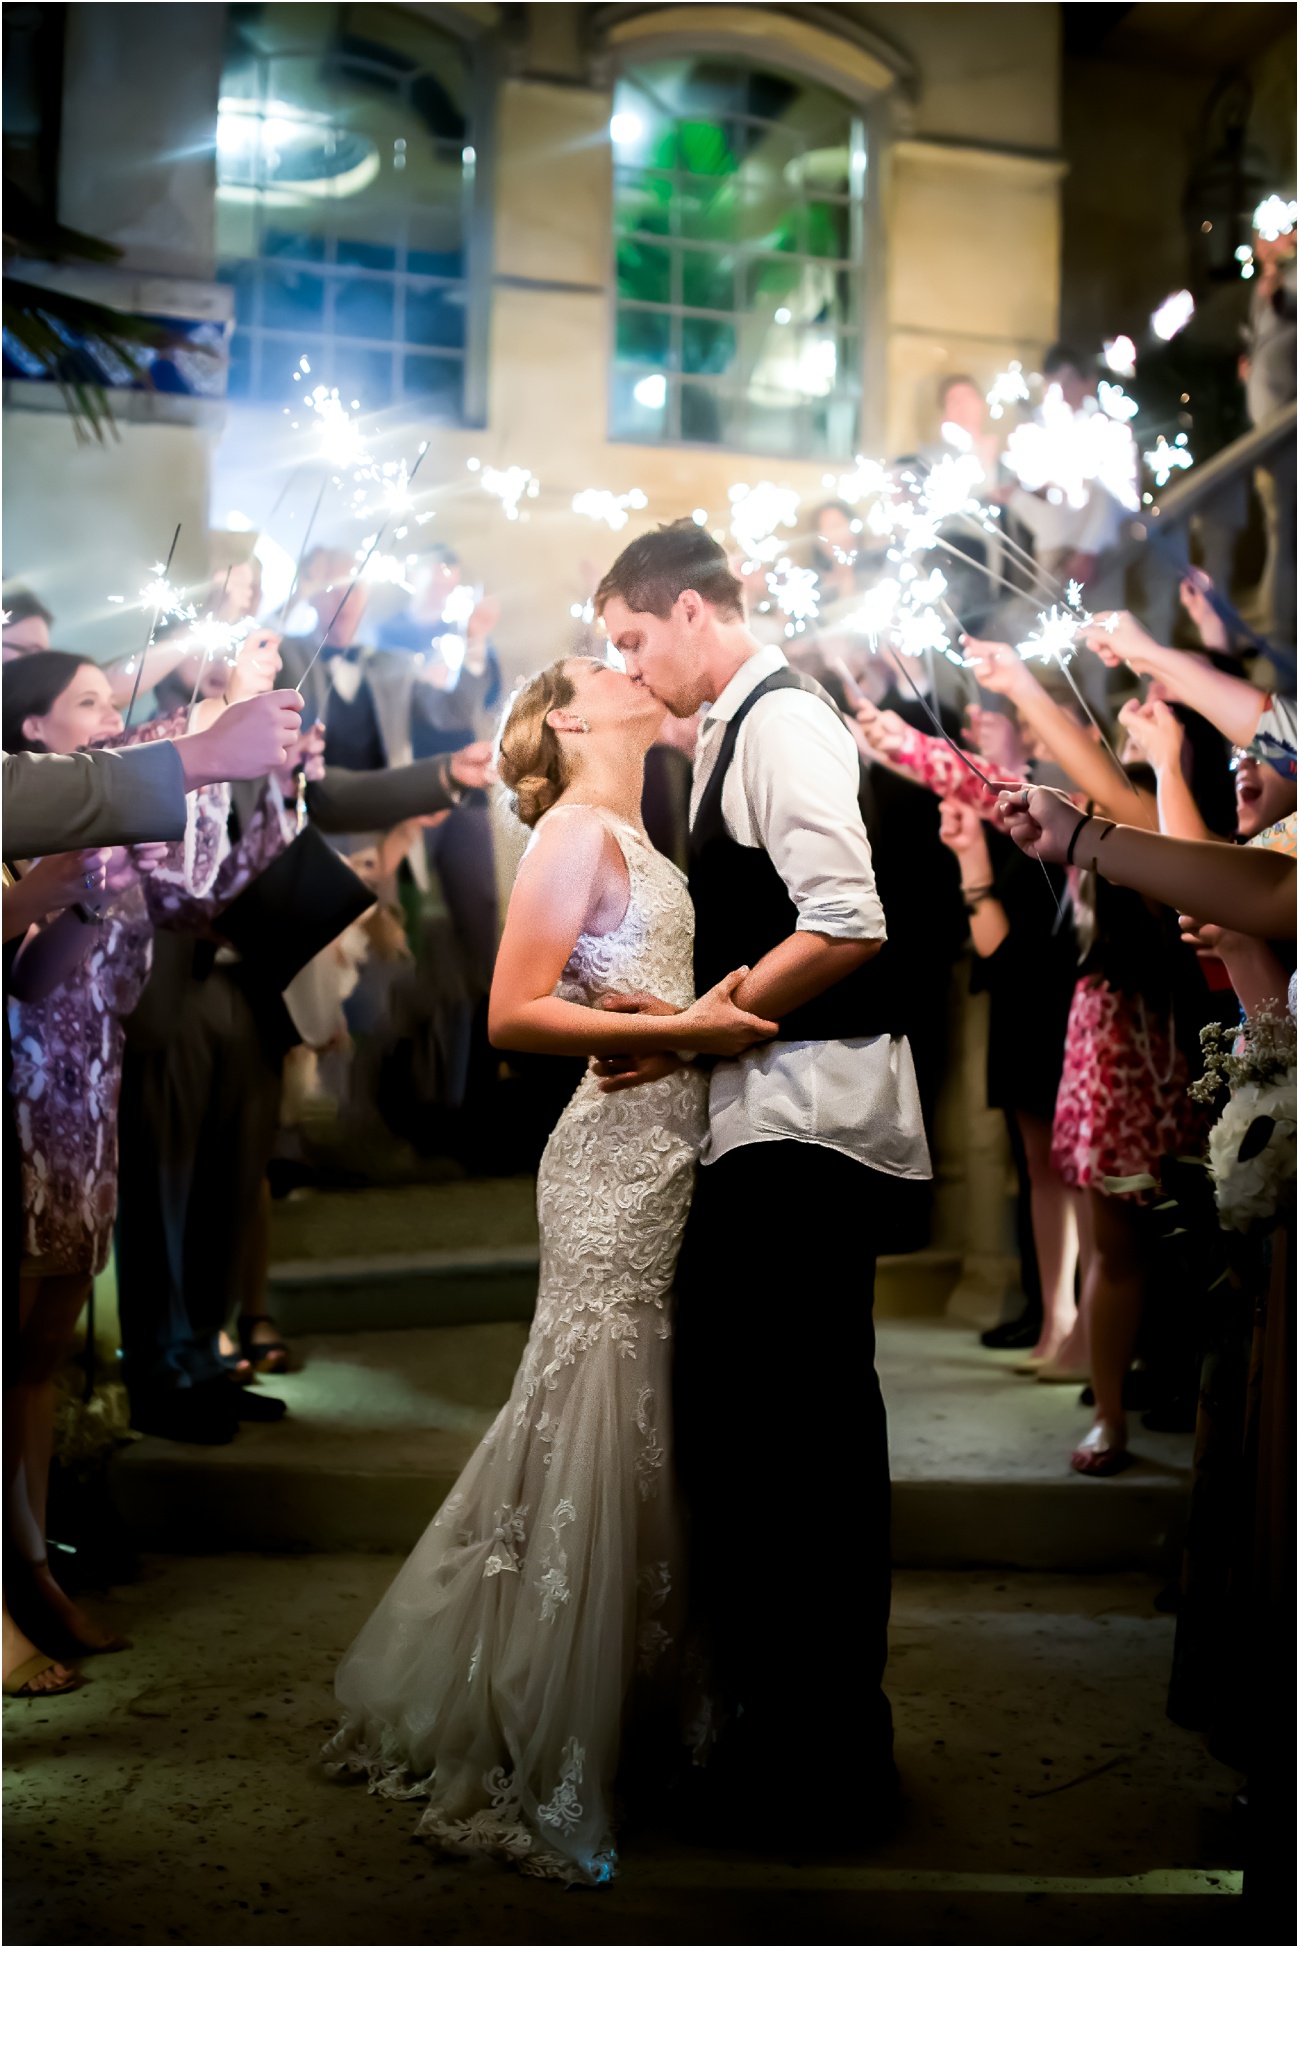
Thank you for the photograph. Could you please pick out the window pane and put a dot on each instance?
(644, 272)
(438, 380)
(707, 280)
(435, 318)
(642, 204)
(709, 210)
(435, 262)
(293, 300)
(305, 248)
(644, 337)
(702, 414)
(279, 360)
(239, 381)
(243, 276)
(364, 373)
(707, 346)
(367, 255)
(639, 407)
(364, 306)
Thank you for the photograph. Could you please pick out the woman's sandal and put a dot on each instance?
(1100, 1455)
(21, 1682)
(265, 1354)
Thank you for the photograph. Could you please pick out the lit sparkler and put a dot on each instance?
(948, 489)
(757, 512)
(339, 437)
(1275, 217)
(509, 485)
(1009, 387)
(157, 593)
(1172, 315)
(1056, 636)
(796, 593)
(1114, 401)
(606, 506)
(873, 616)
(1069, 451)
(1121, 355)
(1166, 456)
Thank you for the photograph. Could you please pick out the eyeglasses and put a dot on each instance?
(1238, 757)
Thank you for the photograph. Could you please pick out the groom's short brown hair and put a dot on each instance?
(650, 575)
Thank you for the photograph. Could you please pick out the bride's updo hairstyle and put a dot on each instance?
(529, 756)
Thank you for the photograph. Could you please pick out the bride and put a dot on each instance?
(493, 1678)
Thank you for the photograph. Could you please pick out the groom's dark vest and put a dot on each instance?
(743, 909)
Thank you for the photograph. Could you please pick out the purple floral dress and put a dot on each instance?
(67, 1050)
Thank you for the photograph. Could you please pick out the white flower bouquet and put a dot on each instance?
(1252, 1145)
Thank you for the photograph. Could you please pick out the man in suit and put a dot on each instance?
(56, 803)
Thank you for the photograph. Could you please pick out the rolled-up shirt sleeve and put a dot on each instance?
(800, 770)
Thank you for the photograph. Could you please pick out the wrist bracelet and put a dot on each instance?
(1084, 820)
(979, 894)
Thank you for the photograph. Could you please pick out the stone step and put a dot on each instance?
(484, 1284)
(382, 1422)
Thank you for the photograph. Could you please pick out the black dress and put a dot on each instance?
(1029, 979)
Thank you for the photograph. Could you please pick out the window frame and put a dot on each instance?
(867, 129)
(474, 277)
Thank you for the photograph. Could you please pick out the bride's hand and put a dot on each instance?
(637, 1003)
(714, 1024)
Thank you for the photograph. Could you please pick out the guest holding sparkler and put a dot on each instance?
(1131, 1046)
(76, 977)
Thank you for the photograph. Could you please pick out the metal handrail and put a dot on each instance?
(1184, 498)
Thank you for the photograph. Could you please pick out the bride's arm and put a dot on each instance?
(561, 884)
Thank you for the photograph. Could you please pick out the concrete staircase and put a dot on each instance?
(410, 1308)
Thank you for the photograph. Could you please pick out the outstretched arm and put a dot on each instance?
(999, 668)
(1247, 888)
(1235, 707)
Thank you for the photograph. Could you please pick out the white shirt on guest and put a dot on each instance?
(791, 788)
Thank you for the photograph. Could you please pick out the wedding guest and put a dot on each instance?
(26, 625)
(1132, 1042)
(71, 985)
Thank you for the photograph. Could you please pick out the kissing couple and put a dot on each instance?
(670, 1552)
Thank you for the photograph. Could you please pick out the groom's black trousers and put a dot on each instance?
(782, 1455)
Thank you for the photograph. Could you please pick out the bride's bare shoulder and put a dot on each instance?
(569, 837)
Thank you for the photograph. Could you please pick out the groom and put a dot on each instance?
(780, 1431)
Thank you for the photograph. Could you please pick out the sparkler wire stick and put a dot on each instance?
(360, 572)
(157, 614)
(302, 555)
(1101, 734)
(1045, 583)
(207, 656)
(947, 740)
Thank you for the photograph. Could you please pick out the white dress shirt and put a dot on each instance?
(791, 789)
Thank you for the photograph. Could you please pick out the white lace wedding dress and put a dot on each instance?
(492, 1679)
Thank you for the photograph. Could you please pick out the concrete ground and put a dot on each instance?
(175, 1800)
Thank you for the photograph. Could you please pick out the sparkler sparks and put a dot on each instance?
(1172, 316)
(613, 510)
(510, 485)
(755, 515)
(1114, 401)
(1275, 217)
(1121, 355)
(796, 594)
(1056, 636)
(866, 479)
(1166, 456)
(161, 597)
(212, 637)
(948, 489)
(1008, 388)
(340, 439)
(920, 632)
(875, 609)
(1069, 451)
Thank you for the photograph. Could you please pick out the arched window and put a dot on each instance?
(346, 181)
(738, 208)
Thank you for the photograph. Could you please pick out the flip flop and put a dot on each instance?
(266, 1354)
(1100, 1455)
(19, 1686)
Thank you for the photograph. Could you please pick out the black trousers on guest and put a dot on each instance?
(198, 1119)
(782, 1457)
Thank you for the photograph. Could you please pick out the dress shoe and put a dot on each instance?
(246, 1406)
(1019, 1335)
(187, 1415)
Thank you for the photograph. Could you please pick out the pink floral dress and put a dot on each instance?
(67, 1049)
